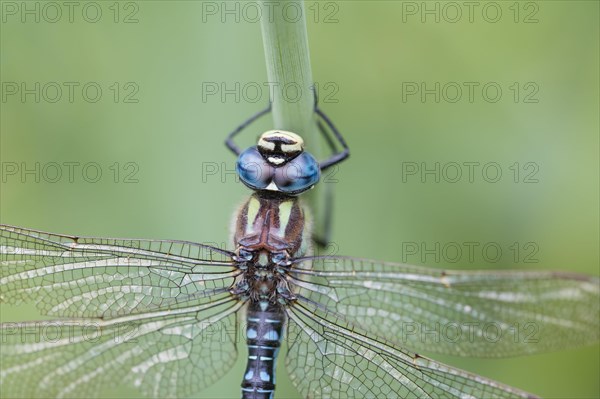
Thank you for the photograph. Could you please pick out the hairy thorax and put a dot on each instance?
(269, 230)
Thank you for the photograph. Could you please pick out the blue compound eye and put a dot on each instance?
(298, 175)
(254, 171)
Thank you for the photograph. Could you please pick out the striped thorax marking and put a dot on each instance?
(272, 224)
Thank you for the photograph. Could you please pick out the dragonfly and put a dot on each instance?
(166, 316)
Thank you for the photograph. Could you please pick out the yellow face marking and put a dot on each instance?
(296, 146)
(275, 161)
(253, 208)
(262, 143)
(285, 210)
(291, 148)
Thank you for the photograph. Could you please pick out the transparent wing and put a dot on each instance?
(465, 313)
(106, 277)
(165, 354)
(337, 360)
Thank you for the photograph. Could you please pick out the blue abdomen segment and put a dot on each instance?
(264, 331)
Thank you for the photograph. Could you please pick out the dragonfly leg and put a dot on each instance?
(229, 141)
(337, 157)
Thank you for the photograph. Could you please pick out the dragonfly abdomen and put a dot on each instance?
(265, 321)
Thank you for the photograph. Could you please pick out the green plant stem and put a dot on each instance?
(289, 74)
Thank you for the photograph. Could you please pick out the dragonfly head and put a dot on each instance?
(279, 147)
(278, 163)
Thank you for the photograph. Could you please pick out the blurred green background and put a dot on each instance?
(159, 126)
